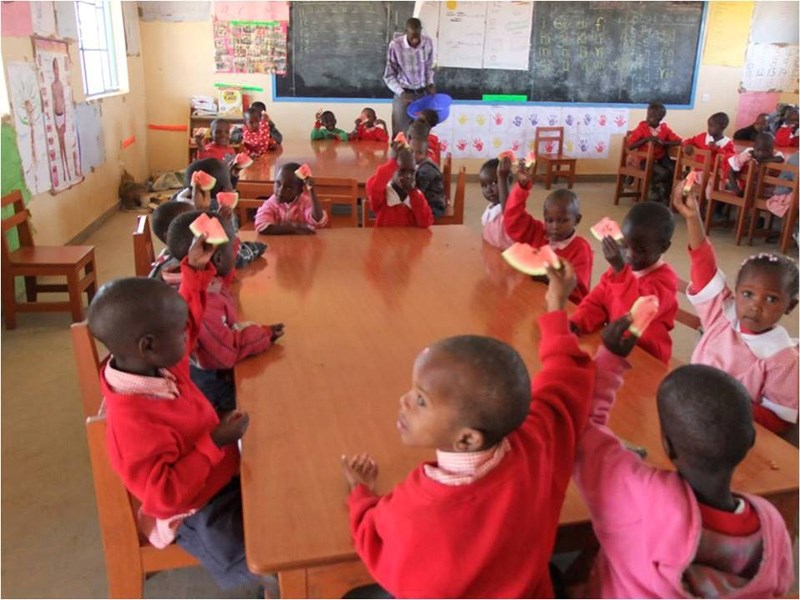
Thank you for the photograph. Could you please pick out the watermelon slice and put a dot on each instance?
(643, 311)
(204, 180)
(401, 139)
(507, 154)
(215, 232)
(530, 260)
(228, 199)
(243, 160)
(691, 179)
(303, 172)
(606, 226)
(530, 160)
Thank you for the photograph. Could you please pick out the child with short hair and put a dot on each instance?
(431, 117)
(223, 340)
(325, 128)
(749, 133)
(714, 140)
(668, 534)
(369, 128)
(159, 223)
(165, 441)
(562, 213)
(741, 334)
(256, 136)
(653, 130)
(480, 521)
(762, 152)
(220, 146)
(276, 135)
(420, 129)
(493, 178)
(293, 207)
(428, 177)
(637, 269)
(787, 134)
(393, 195)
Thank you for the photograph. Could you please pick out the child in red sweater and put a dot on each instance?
(431, 117)
(369, 128)
(223, 340)
(654, 131)
(637, 269)
(787, 134)
(393, 195)
(220, 146)
(562, 213)
(713, 139)
(165, 441)
(480, 521)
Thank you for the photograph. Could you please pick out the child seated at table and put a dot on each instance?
(636, 269)
(420, 129)
(293, 207)
(325, 128)
(712, 139)
(276, 135)
(653, 130)
(165, 441)
(749, 133)
(480, 521)
(562, 213)
(762, 152)
(256, 136)
(428, 177)
(493, 178)
(684, 534)
(223, 340)
(369, 128)
(741, 330)
(787, 135)
(159, 223)
(431, 117)
(220, 146)
(393, 195)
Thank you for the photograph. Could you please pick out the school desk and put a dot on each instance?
(359, 305)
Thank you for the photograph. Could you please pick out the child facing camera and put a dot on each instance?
(493, 178)
(480, 521)
(394, 197)
(667, 534)
(293, 207)
(369, 128)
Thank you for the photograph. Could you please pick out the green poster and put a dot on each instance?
(11, 174)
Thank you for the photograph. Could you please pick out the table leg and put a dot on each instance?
(294, 583)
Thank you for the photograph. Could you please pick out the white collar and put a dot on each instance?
(563, 243)
(763, 345)
(491, 213)
(393, 198)
(719, 143)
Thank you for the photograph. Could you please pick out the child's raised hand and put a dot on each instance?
(199, 139)
(309, 182)
(230, 428)
(522, 175)
(200, 198)
(613, 253)
(560, 284)
(200, 253)
(225, 212)
(275, 331)
(360, 468)
(504, 167)
(686, 206)
(616, 337)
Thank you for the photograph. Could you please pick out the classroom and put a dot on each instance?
(463, 282)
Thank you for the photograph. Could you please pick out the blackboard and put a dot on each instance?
(590, 52)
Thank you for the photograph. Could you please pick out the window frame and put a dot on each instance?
(112, 49)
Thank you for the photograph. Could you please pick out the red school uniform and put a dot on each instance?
(434, 149)
(521, 227)
(389, 209)
(214, 150)
(662, 132)
(787, 137)
(703, 141)
(370, 134)
(614, 295)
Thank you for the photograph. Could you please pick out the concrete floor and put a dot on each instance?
(50, 538)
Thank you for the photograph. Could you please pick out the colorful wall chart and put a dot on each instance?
(250, 37)
(29, 125)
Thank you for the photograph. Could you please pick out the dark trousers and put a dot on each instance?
(400, 118)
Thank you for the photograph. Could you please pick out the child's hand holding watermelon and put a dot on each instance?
(687, 206)
(200, 253)
(560, 284)
(613, 253)
(522, 174)
(616, 337)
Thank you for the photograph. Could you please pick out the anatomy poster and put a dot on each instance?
(26, 104)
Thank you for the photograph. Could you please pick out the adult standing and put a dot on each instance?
(409, 71)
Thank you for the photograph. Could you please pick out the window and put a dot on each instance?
(101, 41)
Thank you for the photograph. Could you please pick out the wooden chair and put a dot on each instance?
(454, 213)
(335, 194)
(447, 176)
(128, 558)
(251, 196)
(717, 195)
(699, 161)
(144, 254)
(75, 263)
(769, 175)
(552, 159)
(630, 165)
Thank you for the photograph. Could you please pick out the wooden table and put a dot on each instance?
(359, 305)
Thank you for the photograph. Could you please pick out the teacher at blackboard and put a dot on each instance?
(409, 71)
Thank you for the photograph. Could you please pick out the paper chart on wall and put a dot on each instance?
(769, 67)
(508, 35)
(176, 11)
(245, 47)
(130, 18)
(66, 20)
(461, 34)
(43, 18)
(728, 27)
(16, 18)
(90, 134)
(53, 69)
(251, 11)
(29, 124)
(775, 23)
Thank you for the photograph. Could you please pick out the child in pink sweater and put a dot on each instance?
(493, 177)
(741, 331)
(293, 208)
(666, 534)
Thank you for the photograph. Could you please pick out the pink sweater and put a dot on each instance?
(648, 520)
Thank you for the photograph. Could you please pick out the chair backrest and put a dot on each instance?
(251, 195)
(770, 175)
(336, 192)
(143, 252)
(700, 161)
(718, 180)
(455, 212)
(18, 219)
(447, 176)
(642, 154)
(551, 137)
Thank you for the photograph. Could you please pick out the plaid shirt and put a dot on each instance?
(409, 68)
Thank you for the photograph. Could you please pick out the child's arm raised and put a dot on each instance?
(316, 217)
(376, 185)
(423, 215)
(518, 223)
(197, 271)
(503, 173)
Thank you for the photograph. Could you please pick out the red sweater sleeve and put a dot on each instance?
(423, 216)
(704, 266)
(519, 224)
(376, 185)
(668, 135)
(783, 137)
(592, 312)
(579, 254)
(194, 289)
(698, 141)
(642, 131)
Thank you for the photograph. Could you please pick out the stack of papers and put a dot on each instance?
(204, 106)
